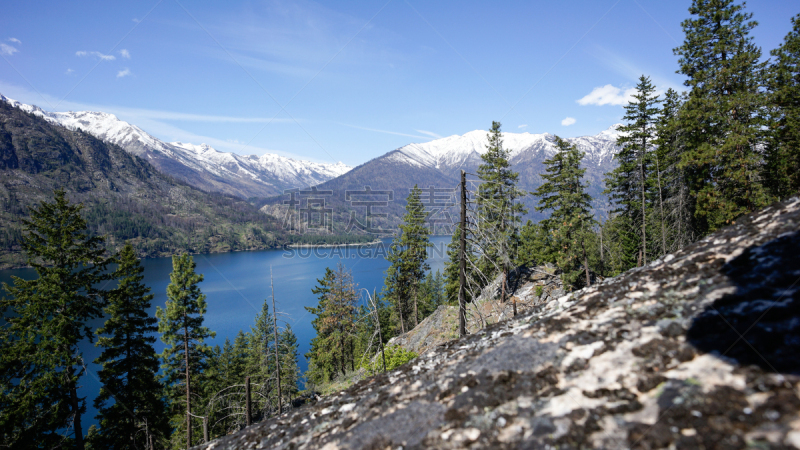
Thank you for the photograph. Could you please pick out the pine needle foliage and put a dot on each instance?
(498, 209)
(564, 194)
(185, 357)
(46, 318)
(406, 257)
(130, 402)
(724, 113)
(783, 149)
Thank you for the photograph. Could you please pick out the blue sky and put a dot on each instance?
(347, 81)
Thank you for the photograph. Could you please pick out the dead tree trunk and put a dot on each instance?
(462, 270)
(275, 329)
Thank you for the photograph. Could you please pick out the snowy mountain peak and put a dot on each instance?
(456, 150)
(200, 165)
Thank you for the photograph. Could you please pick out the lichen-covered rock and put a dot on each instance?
(696, 350)
(528, 287)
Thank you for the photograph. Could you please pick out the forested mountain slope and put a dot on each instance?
(123, 196)
(201, 166)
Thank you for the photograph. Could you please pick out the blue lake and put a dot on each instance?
(236, 285)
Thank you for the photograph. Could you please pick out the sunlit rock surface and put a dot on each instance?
(698, 350)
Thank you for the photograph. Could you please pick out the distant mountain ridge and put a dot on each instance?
(438, 164)
(201, 166)
(123, 196)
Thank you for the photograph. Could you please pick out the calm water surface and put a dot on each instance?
(236, 285)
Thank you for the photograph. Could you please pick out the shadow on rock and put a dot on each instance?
(759, 323)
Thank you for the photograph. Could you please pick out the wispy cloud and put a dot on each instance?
(103, 57)
(15, 40)
(523, 126)
(7, 50)
(69, 72)
(568, 121)
(123, 73)
(396, 133)
(631, 69)
(429, 133)
(155, 122)
(135, 20)
(125, 53)
(608, 95)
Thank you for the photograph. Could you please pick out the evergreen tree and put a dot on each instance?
(129, 364)
(261, 360)
(570, 221)
(290, 373)
(185, 358)
(451, 269)
(499, 212)
(332, 349)
(536, 246)
(627, 184)
(783, 149)
(722, 118)
(46, 318)
(407, 256)
(676, 217)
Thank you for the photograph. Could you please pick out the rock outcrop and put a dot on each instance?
(528, 287)
(695, 350)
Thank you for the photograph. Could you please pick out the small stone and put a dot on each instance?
(501, 422)
(793, 439)
(688, 432)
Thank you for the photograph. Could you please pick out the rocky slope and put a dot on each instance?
(201, 166)
(529, 287)
(696, 350)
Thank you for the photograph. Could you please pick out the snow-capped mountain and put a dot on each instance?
(438, 164)
(458, 151)
(201, 165)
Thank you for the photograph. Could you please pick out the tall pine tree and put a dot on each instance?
(499, 211)
(564, 194)
(783, 149)
(407, 262)
(46, 318)
(185, 357)
(130, 406)
(722, 118)
(627, 184)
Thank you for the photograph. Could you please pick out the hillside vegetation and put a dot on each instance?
(124, 197)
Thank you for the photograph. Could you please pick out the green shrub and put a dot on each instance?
(396, 356)
(539, 291)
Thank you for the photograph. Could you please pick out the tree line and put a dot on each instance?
(146, 400)
(688, 164)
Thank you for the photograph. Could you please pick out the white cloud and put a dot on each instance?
(523, 126)
(568, 121)
(608, 95)
(69, 71)
(15, 40)
(7, 50)
(125, 53)
(98, 54)
(429, 133)
(123, 73)
(135, 20)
